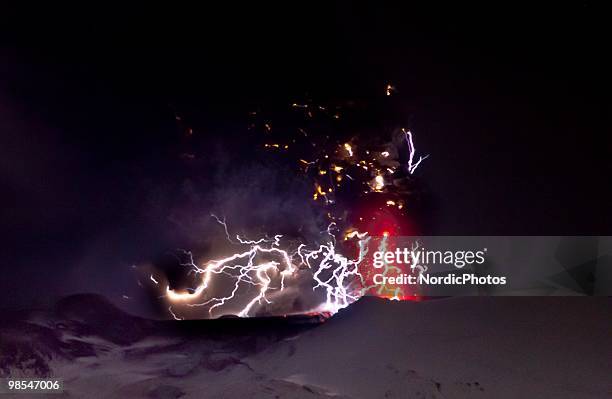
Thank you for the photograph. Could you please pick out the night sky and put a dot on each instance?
(513, 106)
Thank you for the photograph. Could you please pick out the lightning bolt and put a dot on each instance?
(338, 275)
(334, 272)
(411, 150)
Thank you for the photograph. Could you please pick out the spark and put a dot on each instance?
(379, 183)
(355, 233)
(348, 149)
(153, 279)
(319, 192)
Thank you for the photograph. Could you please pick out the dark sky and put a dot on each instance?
(512, 104)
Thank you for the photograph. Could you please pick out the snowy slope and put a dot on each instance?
(484, 347)
(462, 347)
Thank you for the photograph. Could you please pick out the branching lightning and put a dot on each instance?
(261, 270)
(330, 270)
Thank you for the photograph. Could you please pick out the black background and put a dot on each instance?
(511, 103)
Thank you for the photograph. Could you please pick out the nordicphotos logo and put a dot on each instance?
(449, 279)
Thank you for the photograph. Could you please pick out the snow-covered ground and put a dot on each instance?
(478, 347)
(489, 347)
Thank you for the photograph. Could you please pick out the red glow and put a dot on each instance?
(383, 222)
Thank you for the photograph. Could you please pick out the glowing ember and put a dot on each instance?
(379, 183)
(348, 149)
(389, 90)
